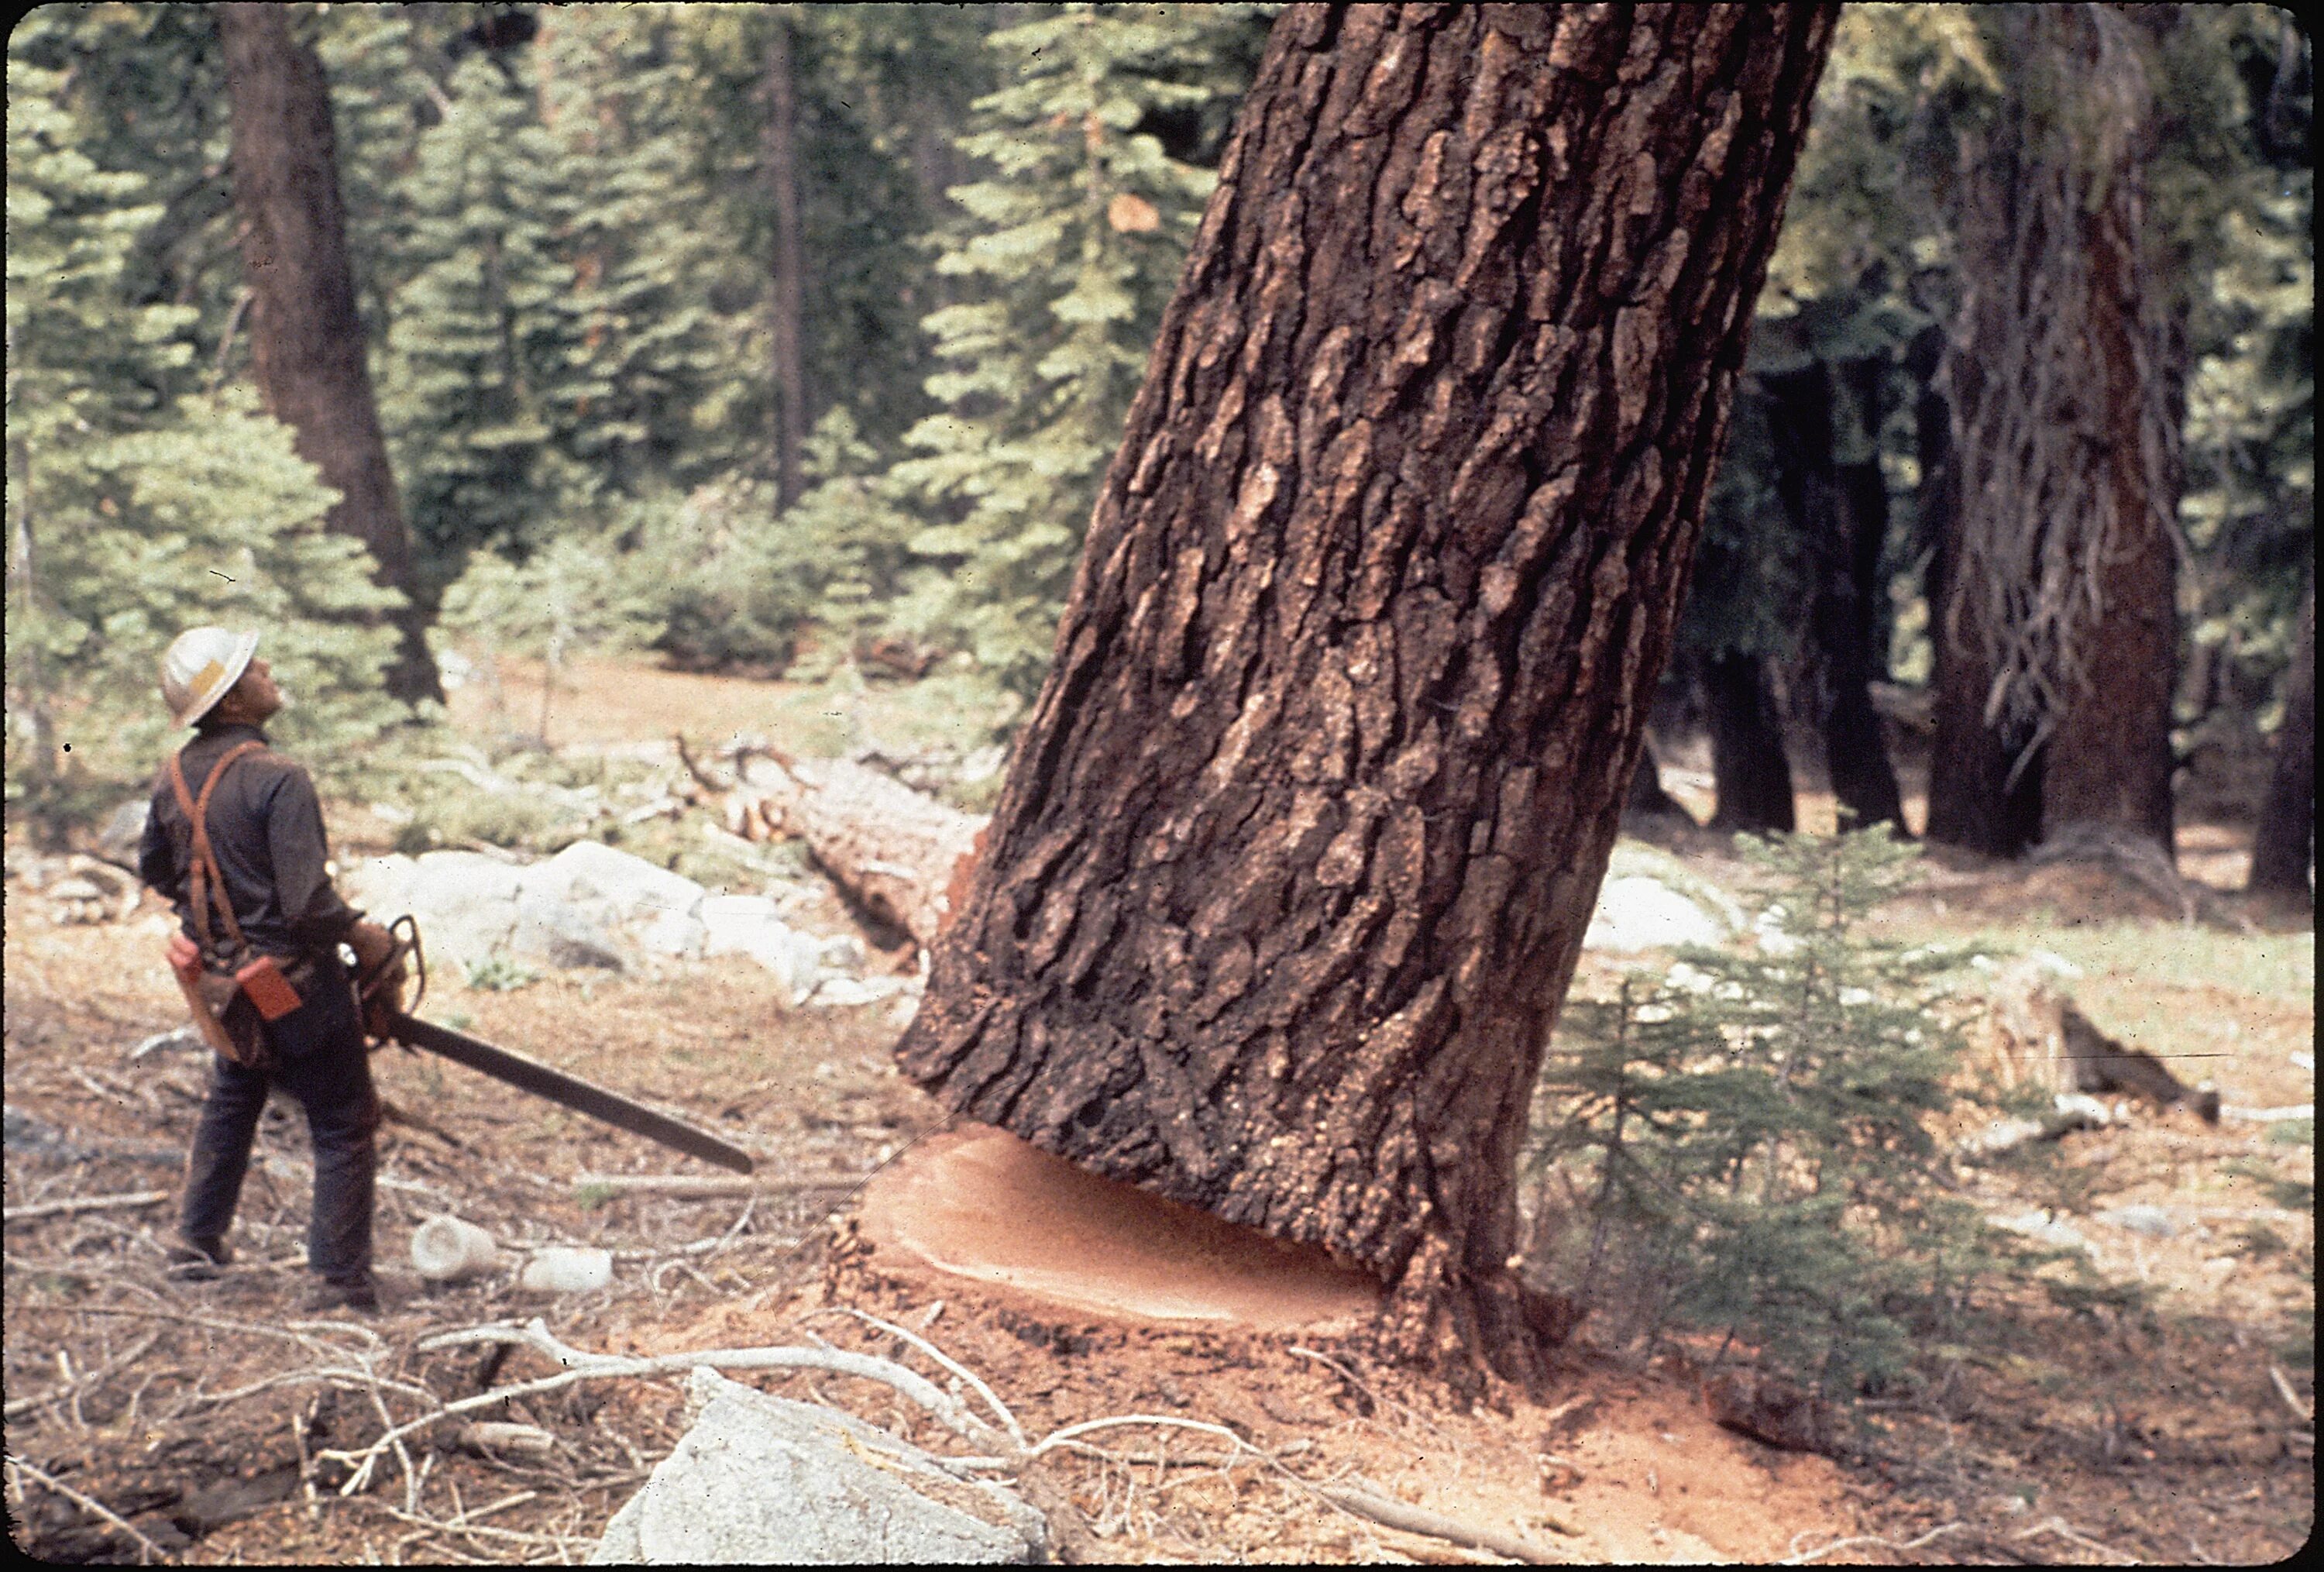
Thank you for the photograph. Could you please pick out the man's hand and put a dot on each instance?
(373, 946)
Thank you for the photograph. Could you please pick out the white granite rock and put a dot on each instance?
(764, 1481)
(1638, 913)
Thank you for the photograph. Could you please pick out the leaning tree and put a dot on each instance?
(1295, 850)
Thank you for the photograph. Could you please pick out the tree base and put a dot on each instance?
(1461, 1326)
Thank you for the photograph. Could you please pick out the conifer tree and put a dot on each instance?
(1754, 1140)
(136, 509)
(656, 376)
(483, 341)
(1071, 248)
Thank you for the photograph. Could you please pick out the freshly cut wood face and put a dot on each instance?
(979, 1203)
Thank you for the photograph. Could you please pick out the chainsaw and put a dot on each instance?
(387, 1018)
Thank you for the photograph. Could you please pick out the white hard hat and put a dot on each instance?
(201, 664)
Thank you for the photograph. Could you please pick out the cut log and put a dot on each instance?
(898, 851)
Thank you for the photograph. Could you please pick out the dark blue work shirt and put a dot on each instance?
(266, 831)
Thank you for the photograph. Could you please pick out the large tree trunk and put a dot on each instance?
(2283, 850)
(1296, 848)
(1842, 513)
(1750, 774)
(2061, 564)
(1979, 798)
(306, 339)
(779, 167)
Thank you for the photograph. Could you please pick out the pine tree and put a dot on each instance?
(1750, 1143)
(136, 509)
(482, 340)
(656, 376)
(1073, 247)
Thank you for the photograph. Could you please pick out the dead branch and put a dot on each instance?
(1414, 1520)
(2071, 1535)
(488, 1437)
(707, 781)
(951, 1366)
(83, 1204)
(146, 1549)
(709, 1184)
(85, 1380)
(2304, 1413)
(1818, 1554)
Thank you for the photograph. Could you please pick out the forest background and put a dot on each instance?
(796, 340)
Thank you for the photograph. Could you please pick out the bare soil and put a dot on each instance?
(205, 1416)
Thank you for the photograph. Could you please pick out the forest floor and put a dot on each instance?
(2172, 1425)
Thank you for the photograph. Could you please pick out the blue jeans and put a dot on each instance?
(321, 1060)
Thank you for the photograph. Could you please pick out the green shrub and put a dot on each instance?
(1747, 1147)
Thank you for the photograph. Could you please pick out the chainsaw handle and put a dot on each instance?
(405, 933)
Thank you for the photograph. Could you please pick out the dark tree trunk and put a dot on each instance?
(1749, 772)
(779, 167)
(1842, 513)
(1647, 793)
(2283, 850)
(307, 340)
(2110, 762)
(1975, 801)
(2058, 630)
(1296, 851)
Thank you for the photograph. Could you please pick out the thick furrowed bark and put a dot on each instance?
(1294, 855)
(306, 339)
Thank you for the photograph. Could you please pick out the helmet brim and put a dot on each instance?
(245, 645)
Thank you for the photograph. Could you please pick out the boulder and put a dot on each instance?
(1638, 913)
(762, 1480)
(748, 925)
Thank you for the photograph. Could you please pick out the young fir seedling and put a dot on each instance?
(1747, 1147)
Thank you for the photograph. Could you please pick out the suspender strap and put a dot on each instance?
(205, 883)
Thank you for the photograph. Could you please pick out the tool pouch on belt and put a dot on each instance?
(231, 990)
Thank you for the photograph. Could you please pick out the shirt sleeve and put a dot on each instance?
(156, 859)
(317, 916)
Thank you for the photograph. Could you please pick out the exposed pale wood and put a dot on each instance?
(896, 850)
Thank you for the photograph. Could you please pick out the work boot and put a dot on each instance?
(359, 1294)
(196, 1259)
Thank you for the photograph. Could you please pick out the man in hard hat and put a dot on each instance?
(253, 889)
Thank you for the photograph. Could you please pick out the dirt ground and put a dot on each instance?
(203, 1419)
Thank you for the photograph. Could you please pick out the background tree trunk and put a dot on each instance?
(1842, 513)
(1296, 848)
(306, 339)
(2283, 849)
(2058, 630)
(1647, 793)
(1750, 774)
(778, 163)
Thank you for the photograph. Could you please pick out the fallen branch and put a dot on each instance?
(1837, 1545)
(1415, 1519)
(488, 1437)
(710, 1184)
(87, 1379)
(2304, 1413)
(2071, 1535)
(581, 1365)
(90, 1505)
(83, 1204)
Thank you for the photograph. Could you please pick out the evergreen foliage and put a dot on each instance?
(1072, 246)
(1751, 1139)
(138, 509)
(484, 339)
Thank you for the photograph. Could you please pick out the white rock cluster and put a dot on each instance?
(592, 905)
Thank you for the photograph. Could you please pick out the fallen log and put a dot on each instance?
(84, 1204)
(901, 852)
